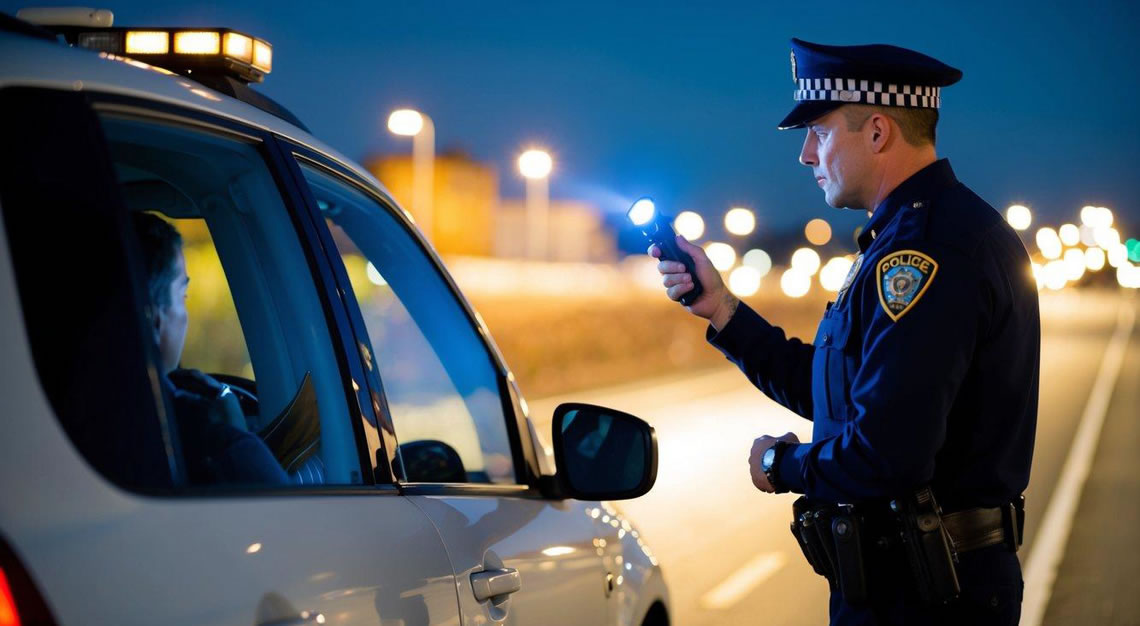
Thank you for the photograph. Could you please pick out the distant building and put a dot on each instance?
(466, 193)
(577, 232)
(469, 218)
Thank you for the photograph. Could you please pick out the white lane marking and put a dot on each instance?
(743, 580)
(1053, 535)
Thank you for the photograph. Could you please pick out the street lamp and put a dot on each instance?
(412, 123)
(535, 166)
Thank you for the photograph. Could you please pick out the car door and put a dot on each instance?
(453, 426)
(92, 449)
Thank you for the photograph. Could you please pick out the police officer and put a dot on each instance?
(924, 370)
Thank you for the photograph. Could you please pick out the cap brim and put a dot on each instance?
(807, 111)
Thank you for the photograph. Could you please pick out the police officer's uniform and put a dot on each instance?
(924, 369)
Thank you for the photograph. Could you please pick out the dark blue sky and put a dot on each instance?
(681, 102)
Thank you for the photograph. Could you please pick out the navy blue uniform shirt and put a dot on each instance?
(924, 369)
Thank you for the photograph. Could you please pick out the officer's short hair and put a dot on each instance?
(917, 125)
(160, 243)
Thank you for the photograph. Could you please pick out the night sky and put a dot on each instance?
(681, 103)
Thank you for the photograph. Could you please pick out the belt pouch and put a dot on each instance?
(846, 530)
(927, 546)
(803, 527)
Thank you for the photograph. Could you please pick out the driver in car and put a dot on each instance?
(215, 451)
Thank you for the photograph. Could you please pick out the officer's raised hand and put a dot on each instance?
(716, 304)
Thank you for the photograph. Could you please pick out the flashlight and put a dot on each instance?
(658, 229)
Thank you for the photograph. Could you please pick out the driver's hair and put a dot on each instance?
(160, 244)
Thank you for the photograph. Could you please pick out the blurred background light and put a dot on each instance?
(795, 283)
(1019, 216)
(1049, 243)
(1070, 235)
(1074, 264)
(818, 232)
(740, 221)
(744, 281)
(722, 255)
(1094, 259)
(406, 122)
(1055, 275)
(758, 259)
(689, 225)
(806, 260)
(834, 272)
(535, 163)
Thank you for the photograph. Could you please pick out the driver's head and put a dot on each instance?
(166, 283)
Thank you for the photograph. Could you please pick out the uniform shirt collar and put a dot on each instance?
(920, 187)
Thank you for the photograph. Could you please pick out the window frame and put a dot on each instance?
(523, 454)
(276, 162)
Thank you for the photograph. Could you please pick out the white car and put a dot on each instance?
(417, 489)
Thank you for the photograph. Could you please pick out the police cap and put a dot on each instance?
(827, 77)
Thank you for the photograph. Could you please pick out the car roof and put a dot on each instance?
(36, 62)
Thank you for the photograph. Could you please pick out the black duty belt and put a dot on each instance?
(973, 529)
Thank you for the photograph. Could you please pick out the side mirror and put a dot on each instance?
(603, 454)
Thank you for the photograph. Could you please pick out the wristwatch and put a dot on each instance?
(770, 462)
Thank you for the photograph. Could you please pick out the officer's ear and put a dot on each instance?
(880, 132)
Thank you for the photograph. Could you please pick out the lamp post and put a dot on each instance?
(412, 123)
(535, 166)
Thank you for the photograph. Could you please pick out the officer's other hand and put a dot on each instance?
(755, 465)
(716, 304)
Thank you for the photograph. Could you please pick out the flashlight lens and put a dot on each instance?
(642, 211)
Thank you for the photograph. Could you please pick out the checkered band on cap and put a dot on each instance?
(868, 92)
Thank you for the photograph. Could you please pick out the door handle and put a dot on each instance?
(488, 584)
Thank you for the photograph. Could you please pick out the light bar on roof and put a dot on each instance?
(147, 42)
(238, 46)
(197, 42)
(262, 56)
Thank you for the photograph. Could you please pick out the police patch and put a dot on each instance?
(903, 277)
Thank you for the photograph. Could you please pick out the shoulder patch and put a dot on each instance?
(903, 277)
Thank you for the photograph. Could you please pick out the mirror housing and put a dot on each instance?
(603, 454)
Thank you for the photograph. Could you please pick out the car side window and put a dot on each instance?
(441, 385)
(245, 356)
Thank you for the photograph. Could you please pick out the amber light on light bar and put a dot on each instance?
(262, 56)
(197, 42)
(238, 46)
(147, 42)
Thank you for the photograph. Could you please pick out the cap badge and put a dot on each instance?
(794, 77)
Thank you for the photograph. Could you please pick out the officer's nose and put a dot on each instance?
(808, 154)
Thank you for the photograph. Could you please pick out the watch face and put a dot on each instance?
(769, 456)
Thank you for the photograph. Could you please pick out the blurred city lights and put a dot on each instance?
(744, 281)
(1133, 247)
(374, 275)
(1070, 234)
(1117, 255)
(642, 212)
(740, 221)
(1096, 216)
(406, 122)
(806, 260)
(1087, 235)
(795, 283)
(1038, 274)
(535, 164)
(1049, 243)
(818, 232)
(721, 254)
(1106, 237)
(1055, 275)
(1128, 275)
(834, 272)
(1019, 216)
(1074, 264)
(1094, 259)
(689, 225)
(758, 259)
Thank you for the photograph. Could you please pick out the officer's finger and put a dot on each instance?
(676, 279)
(654, 251)
(676, 291)
(670, 267)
